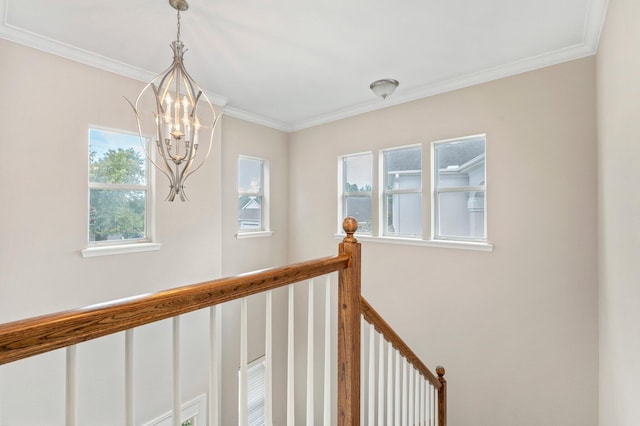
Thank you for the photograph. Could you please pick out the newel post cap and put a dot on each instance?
(350, 226)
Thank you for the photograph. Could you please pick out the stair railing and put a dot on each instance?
(423, 402)
(416, 396)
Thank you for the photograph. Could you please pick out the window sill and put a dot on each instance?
(119, 249)
(256, 234)
(461, 245)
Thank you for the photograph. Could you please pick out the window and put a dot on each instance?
(357, 179)
(256, 371)
(119, 189)
(192, 413)
(402, 193)
(458, 181)
(252, 195)
(387, 198)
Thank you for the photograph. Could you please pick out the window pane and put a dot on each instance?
(460, 163)
(249, 175)
(250, 213)
(461, 214)
(359, 208)
(116, 214)
(357, 173)
(404, 215)
(403, 168)
(117, 158)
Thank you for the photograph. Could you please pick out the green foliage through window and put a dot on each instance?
(117, 187)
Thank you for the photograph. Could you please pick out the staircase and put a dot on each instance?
(368, 374)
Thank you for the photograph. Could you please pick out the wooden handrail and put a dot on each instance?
(24, 338)
(372, 317)
(440, 383)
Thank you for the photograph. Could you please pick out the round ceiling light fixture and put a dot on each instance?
(384, 87)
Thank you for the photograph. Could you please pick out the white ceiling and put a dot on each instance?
(291, 64)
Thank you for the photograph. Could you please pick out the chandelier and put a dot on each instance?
(175, 108)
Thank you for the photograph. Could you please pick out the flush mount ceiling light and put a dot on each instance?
(384, 87)
(174, 108)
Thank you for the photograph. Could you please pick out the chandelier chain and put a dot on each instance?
(178, 25)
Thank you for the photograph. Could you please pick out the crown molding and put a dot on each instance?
(507, 70)
(76, 54)
(257, 119)
(593, 26)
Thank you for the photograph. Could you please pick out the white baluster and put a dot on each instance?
(326, 417)
(1, 386)
(380, 379)
(371, 415)
(422, 396)
(268, 360)
(290, 362)
(129, 398)
(397, 407)
(416, 397)
(410, 395)
(432, 405)
(242, 394)
(428, 405)
(436, 413)
(363, 376)
(215, 364)
(389, 384)
(426, 402)
(405, 393)
(71, 397)
(176, 372)
(310, 365)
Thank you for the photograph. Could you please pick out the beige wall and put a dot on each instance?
(619, 221)
(250, 254)
(516, 328)
(243, 138)
(47, 105)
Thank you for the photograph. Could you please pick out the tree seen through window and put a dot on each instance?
(117, 187)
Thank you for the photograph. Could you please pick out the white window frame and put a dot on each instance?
(110, 247)
(256, 394)
(195, 409)
(265, 229)
(342, 181)
(379, 207)
(436, 190)
(384, 192)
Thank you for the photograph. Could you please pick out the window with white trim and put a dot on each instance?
(391, 207)
(253, 178)
(357, 189)
(459, 189)
(402, 192)
(256, 397)
(119, 189)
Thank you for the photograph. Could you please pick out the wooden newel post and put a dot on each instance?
(442, 397)
(349, 329)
